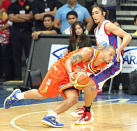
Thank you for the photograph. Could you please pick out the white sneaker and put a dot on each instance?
(78, 113)
(85, 119)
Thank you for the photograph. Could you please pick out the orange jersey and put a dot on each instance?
(86, 66)
(57, 78)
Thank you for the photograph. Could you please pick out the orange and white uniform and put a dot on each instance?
(57, 78)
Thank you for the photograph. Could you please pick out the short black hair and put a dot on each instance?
(72, 13)
(48, 15)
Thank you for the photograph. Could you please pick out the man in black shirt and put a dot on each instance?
(21, 15)
(48, 28)
(42, 7)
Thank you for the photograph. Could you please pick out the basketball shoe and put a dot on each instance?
(51, 121)
(10, 100)
(78, 113)
(85, 119)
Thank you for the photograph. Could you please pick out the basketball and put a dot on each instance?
(81, 80)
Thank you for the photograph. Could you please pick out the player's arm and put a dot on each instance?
(82, 56)
(126, 38)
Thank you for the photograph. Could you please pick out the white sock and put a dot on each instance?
(20, 96)
(52, 113)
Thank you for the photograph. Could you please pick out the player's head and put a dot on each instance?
(108, 53)
(48, 20)
(78, 28)
(72, 17)
(99, 13)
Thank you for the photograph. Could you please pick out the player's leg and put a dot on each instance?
(90, 92)
(17, 95)
(41, 93)
(100, 79)
(71, 99)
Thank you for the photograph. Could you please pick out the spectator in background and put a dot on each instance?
(48, 28)
(72, 17)
(5, 46)
(20, 14)
(135, 23)
(83, 15)
(78, 38)
(4, 4)
(42, 7)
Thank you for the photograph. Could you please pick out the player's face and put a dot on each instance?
(97, 15)
(78, 30)
(72, 19)
(48, 22)
(109, 55)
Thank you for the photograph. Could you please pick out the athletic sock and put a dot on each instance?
(52, 113)
(87, 109)
(20, 96)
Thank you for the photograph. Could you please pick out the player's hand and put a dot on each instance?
(71, 77)
(118, 52)
(100, 47)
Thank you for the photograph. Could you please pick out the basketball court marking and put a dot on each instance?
(12, 122)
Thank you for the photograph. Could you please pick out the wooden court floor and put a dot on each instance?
(107, 117)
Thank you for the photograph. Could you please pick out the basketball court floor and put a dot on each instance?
(115, 112)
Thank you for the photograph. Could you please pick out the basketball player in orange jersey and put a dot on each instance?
(59, 77)
(106, 33)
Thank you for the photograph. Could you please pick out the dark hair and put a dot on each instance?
(48, 15)
(73, 37)
(72, 13)
(102, 8)
(135, 17)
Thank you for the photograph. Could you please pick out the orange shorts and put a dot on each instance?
(56, 80)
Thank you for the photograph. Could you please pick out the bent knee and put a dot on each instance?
(73, 100)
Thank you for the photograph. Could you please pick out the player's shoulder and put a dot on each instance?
(87, 50)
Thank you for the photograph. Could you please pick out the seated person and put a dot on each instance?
(72, 17)
(48, 27)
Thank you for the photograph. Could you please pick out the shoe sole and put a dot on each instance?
(76, 123)
(49, 124)
(9, 97)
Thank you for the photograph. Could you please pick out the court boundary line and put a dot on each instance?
(12, 122)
